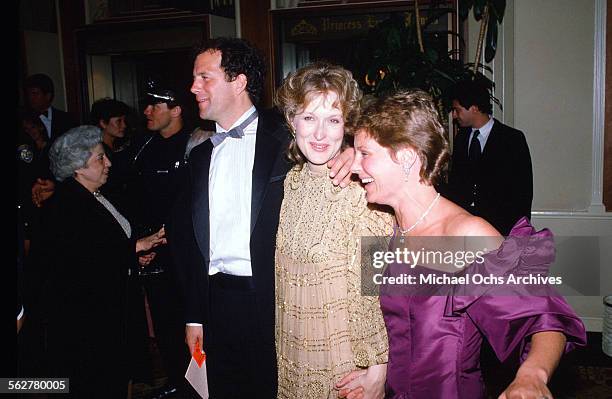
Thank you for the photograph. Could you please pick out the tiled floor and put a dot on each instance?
(585, 373)
(144, 390)
(141, 390)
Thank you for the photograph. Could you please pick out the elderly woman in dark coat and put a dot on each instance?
(90, 254)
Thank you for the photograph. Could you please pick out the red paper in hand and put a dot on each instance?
(198, 355)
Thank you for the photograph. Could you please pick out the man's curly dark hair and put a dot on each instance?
(238, 56)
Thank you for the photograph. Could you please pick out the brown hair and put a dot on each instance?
(302, 85)
(409, 119)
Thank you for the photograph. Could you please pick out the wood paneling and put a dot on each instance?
(135, 41)
(255, 27)
(72, 15)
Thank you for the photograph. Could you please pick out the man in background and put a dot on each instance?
(491, 174)
(39, 93)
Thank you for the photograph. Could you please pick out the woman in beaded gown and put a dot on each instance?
(325, 328)
(435, 333)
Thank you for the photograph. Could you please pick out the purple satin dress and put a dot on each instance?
(434, 341)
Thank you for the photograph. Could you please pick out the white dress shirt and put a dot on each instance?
(46, 120)
(485, 131)
(229, 196)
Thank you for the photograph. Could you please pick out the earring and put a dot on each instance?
(407, 167)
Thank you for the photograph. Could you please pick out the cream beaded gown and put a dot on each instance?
(325, 328)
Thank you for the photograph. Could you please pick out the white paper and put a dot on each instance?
(196, 376)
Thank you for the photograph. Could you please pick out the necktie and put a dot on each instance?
(475, 151)
(237, 132)
(45, 113)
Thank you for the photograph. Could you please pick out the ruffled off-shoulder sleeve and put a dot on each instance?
(508, 316)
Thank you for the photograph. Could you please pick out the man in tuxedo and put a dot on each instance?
(223, 231)
(39, 92)
(491, 174)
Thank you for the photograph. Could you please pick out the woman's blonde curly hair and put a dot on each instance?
(300, 86)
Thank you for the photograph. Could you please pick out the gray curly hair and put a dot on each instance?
(72, 150)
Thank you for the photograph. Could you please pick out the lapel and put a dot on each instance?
(54, 123)
(267, 147)
(199, 192)
(493, 142)
(266, 152)
(462, 144)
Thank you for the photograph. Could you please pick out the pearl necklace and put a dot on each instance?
(419, 220)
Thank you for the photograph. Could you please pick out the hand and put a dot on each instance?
(144, 260)
(364, 384)
(350, 385)
(26, 246)
(194, 334)
(42, 189)
(20, 323)
(341, 167)
(528, 384)
(146, 243)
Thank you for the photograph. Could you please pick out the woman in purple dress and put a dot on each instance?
(435, 336)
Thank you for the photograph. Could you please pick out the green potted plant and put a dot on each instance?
(401, 53)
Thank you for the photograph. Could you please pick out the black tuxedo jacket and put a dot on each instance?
(500, 187)
(189, 230)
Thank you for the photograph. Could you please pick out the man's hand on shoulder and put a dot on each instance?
(340, 167)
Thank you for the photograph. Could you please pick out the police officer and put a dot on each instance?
(157, 171)
(32, 163)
